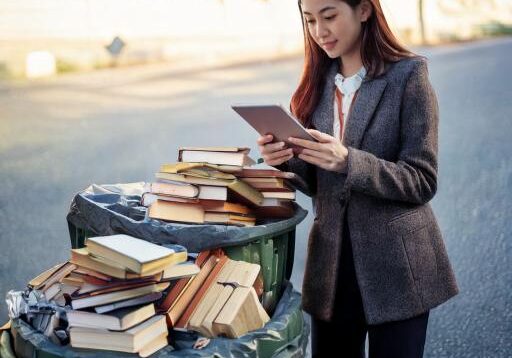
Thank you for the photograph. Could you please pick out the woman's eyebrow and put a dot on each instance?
(321, 11)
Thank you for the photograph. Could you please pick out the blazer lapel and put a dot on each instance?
(362, 110)
(323, 116)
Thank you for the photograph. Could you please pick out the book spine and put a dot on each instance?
(182, 322)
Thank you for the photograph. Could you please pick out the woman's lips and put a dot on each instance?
(329, 45)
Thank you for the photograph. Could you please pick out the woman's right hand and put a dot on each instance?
(273, 153)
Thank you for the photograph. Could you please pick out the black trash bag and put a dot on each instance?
(284, 336)
(112, 209)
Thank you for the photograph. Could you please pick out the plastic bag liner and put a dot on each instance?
(285, 335)
(115, 209)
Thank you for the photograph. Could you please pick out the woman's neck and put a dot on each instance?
(350, 63)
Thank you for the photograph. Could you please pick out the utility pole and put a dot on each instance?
(422, 22)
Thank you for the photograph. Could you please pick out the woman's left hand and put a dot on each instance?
(328, 153)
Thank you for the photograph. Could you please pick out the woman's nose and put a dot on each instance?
(321, 30)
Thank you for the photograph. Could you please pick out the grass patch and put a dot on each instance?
(63, 66)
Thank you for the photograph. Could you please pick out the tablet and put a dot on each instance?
(273, 119)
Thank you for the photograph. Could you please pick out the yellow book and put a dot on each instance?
(204, 170)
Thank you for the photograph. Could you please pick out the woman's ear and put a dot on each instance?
(365, 10)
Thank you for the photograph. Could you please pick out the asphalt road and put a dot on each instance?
(59, 136)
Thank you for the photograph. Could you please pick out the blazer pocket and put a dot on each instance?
(406, 222)
(414, 229)
(421, 256)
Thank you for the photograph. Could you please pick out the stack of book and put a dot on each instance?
(112, 286)
(278, 189)
(221, 300)
(216, 185)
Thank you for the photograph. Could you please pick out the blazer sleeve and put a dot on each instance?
(305, 170)
(413, 177)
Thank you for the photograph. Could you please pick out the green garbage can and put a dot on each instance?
(270, 244)
(284, 336)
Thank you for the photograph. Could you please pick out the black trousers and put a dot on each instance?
(345, 335)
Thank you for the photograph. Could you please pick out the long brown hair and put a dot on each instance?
(378, 47)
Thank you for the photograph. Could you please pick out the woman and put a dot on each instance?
(376, 261)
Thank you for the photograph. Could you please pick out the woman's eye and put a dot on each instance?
(330, 17)
(310, 21)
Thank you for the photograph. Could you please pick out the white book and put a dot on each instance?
(132, 340)
(209, 192)
(118, 320)
(130, 252)
(240, 158)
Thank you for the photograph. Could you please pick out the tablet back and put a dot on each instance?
(273, 119)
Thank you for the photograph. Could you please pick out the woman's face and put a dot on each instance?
(334, 25)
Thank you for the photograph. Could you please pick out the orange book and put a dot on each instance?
(195, 283)
(224, 207)
(181, 284)
(210, 280)
(174, 211)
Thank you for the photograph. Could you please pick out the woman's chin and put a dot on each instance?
(332, 54)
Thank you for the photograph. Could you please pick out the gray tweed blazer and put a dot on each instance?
(400, 259)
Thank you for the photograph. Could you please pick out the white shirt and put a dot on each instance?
(348, 87)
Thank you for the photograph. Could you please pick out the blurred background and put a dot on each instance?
(41, 38)
(105, 91)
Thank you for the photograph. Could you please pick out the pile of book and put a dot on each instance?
(125, 294)
(223, 299)
(217, 185)
(112, 286)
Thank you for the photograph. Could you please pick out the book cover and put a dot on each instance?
(136, 254)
